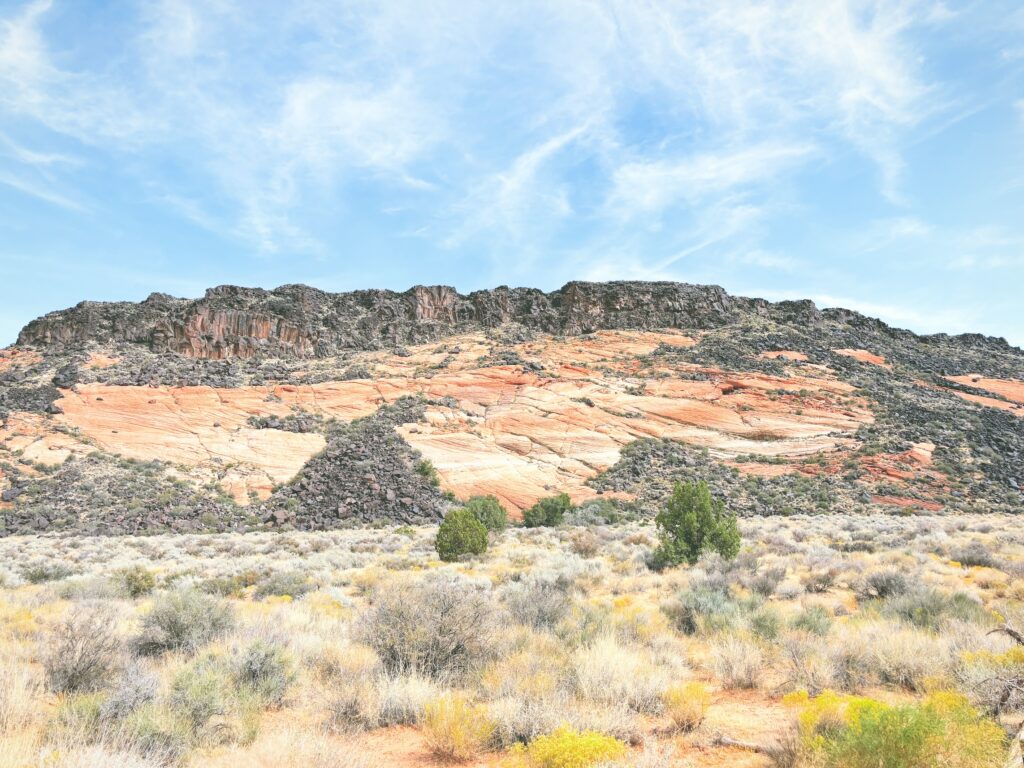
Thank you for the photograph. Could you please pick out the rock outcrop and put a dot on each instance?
(299, 321)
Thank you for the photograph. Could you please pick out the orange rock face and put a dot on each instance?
(1010, 390)
(864, 356)
(519, 435)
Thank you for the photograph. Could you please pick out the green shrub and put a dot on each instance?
(547, 512)
(460, 534)
(930, 609)
(704, 609)
(425, 468)
(287, 584)
(814, 620)
(766, 624)
(692, 523)
(183, 620)
(887, 582)
(135, 581)
(201, 691)
(569, 748)
(38, 573)
(851, 732)
(488, 510)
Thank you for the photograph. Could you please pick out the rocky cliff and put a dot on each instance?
(299, 321)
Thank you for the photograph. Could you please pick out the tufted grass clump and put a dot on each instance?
(687, 704)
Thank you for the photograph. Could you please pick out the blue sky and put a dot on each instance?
(863, 154)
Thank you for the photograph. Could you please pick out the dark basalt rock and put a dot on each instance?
(299, 321)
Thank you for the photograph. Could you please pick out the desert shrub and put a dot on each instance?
(905, 657)
(135, 581)
(264, 670)
(766, 623)
(584, 542)
(84, 651)
(547, 512)
(521, 719)
(818, 581)
(135, 687)
(539, 600)
(848, 732)
(930, 609)
(704, 609)
(454, 729)
(691, 523)
(883, 583)
(994, 681)
(41, 572)
(283, 584)
(686, 704)
(442, 628)
(460, 534)
(77, 715)
(569, 748)
(738, 663)
(974, 554)
(425, 468)
(608, 672)
(183, 620)
(814, 620)
(488, 510)
(201, 691)
(807, 663)
(765, 582)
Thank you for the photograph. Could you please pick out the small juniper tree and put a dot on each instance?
(694, 522)
(460, 534)
(547, 512)
(488, 510)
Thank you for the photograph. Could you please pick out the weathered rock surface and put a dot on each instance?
(294, 407)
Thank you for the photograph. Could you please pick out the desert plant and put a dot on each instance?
(930, 609)
(136, 686)
(264, 670)
(84, 651)
(442, 627)
(283, 584)
(488, 510)
(425, 468)
(691, 523)
(608, 672)
(538, 600)
(765, 582)
(547, 512)
(460, 534)
(18, 689)
(569, 748)
(584, 542)
(704, 609)
(849, 732)
(738, 662)
(686, 704)
(766, 623)
(814, 620)
(183, 620)
(201, 691)
(455, 729)
(135, 581)
(40, 572)
(882, 583)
